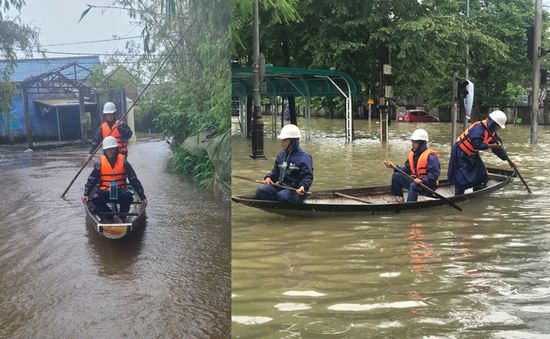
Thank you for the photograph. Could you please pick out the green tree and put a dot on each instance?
(423, 40)
(13, 35)
(192, 92)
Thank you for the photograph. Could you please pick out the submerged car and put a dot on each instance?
(416, 115)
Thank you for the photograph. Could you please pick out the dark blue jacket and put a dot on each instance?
(294, 168)
(95, 178)
(476, 134)
(468, 171)
(433, 168)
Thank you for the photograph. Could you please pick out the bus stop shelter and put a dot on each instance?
(298, 82)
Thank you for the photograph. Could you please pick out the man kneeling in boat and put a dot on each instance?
(422, 163)
(107, 183)
(293, 169)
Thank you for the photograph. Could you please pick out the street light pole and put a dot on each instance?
(257, 132)
(536, 71)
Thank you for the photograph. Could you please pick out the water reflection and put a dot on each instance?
(116, 257)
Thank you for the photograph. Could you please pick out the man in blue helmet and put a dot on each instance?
(293, 168)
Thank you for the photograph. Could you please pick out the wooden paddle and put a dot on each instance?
(449, 202)
(129, 109)
(511, 163)
(352, 197)
(274, 184)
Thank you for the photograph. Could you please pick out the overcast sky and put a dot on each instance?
(57, 22)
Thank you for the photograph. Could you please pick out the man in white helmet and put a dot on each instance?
(422, 162)
(293, 168)
(116, 128)
(466, 169)
(107, 182)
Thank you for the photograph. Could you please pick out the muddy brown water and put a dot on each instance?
(483, 273)
(61, 279)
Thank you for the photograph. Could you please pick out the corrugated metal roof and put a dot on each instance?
(33, 67)
(62, 102)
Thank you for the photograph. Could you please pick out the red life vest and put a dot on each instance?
(122, 144)
(421, 168)
(465, 143)
(116, 173)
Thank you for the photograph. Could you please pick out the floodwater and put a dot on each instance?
(60, 279)
(438, 272)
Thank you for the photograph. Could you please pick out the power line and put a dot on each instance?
(90, 41)
(88, 54)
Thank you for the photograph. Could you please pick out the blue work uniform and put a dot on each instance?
(468, 170)
(292, 168)
(400, 181)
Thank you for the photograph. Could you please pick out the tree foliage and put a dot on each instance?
(424, 41)
(192, 91)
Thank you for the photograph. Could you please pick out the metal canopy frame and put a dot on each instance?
(61, 80)
(287, 81)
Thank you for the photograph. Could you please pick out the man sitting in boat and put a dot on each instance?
(116, 128)
(422, 163)
(107, 183)
(466, 169)
(293, 169)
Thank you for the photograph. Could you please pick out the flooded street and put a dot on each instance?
(61, 279)
(484, 272)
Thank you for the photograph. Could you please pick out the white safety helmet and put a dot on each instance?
(109, 108)
(499, 117)
(290, 131)
(109, 142)
(420, 134)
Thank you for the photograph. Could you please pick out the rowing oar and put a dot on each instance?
(511, 163)
(274, 184)
(352, 197)
(449, 202)
(129, 109)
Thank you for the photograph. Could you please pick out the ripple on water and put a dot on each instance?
(519, 335)
(289, 307)
(369, 307)
(536, 308)
(497, 318)
(250, 320)
(390, 324)
(308, 293)
(389, 274)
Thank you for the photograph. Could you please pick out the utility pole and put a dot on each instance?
(257, 134)
(454, 108)
(536, 71)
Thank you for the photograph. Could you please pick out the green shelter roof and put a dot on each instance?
(292, 81)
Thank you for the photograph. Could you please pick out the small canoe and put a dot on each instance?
(116, 229)
(371, 200)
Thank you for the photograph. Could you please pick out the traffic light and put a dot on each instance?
(462, 88)
(543, 77)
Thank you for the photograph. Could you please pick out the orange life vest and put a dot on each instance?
(116, 173)
(421, 168)
(465, 143)
(122, 144)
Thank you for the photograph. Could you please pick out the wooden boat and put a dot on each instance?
(374, 199)
(115, 230)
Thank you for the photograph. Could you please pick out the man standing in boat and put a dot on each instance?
(422, 163)
(116, 128)
(466, 169)
(293, 169)
(107, 183)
